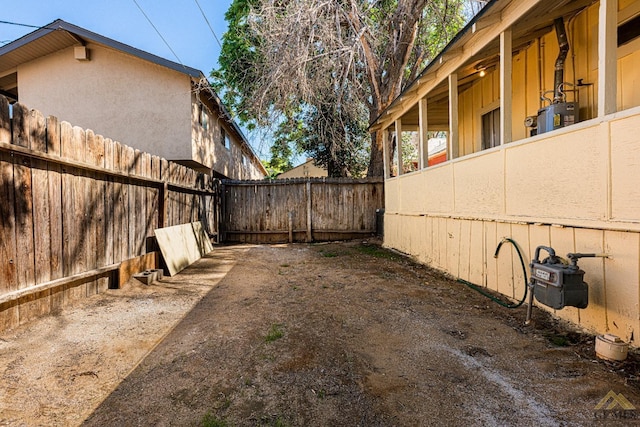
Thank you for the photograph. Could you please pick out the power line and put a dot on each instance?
(209, 24)
(157, 31)
(19, 24)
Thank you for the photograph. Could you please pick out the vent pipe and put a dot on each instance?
(563, 44)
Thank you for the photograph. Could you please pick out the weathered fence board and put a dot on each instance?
(77, 208)
(300, 209)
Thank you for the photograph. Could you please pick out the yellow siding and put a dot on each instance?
(621, 273)
(435, 193)
(490, 241)
(593, 317)
(411, 195)
(532, 93)
(479, 184)
(629, 78)
(519, 98)
(392, 195)
(625, 165)
(540, 183)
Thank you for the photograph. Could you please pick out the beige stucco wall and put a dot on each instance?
(234, 162)
(138, 103)
(575, 189)
(306, 170)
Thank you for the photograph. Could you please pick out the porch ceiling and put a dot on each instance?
(474, 48)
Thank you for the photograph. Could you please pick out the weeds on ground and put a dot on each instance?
(376, 251)
(273, 422)
(275, 333)
(328, 254)
(210, 420)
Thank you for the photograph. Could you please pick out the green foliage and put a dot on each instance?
(235, 77)
(337, 141)
(274, 334)
(210, 420)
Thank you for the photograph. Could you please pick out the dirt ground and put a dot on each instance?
(340, 334)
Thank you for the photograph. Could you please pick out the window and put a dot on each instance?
(225, 140)
(204, 118)
(629, 31)
(491, 129)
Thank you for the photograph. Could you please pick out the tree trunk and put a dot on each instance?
(376, 160)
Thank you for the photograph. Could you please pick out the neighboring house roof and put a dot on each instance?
(307, 169)
(50, 39)
(60, 35)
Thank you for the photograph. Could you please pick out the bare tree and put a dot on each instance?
(342, 62)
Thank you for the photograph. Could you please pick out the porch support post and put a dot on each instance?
(423, 150)
(607, 57)
(506, 94)
(453, 117)
(399, 145)
(385, 151)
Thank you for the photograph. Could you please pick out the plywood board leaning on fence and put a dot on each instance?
(182, 245)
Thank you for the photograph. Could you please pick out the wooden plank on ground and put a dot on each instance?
(182, 245)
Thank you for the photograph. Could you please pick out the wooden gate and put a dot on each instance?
(296, 210)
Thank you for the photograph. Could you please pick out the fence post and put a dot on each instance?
(290, 227)
(309, 226)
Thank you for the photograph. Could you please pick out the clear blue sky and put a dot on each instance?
(179, 21)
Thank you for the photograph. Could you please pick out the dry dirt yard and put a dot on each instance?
(340, 334)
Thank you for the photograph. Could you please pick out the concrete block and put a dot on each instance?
(147, 277)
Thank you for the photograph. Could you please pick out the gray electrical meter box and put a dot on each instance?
(558, 284)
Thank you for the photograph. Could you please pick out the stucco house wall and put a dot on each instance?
(306, 170)
(138, 103)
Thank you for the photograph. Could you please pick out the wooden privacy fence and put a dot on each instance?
(77, 211)
(300, 209)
